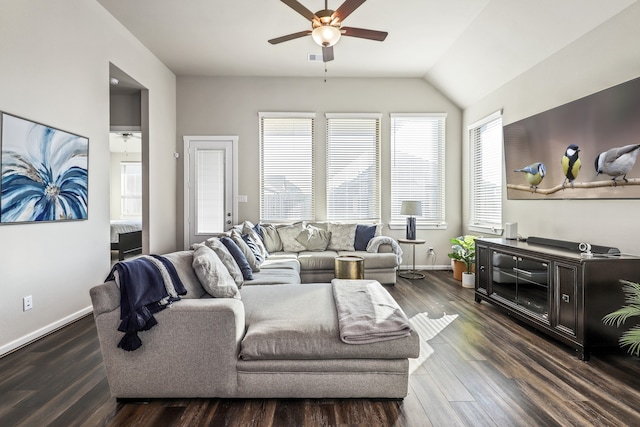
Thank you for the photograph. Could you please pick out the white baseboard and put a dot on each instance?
(35, 335)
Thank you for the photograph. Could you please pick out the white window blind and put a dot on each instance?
(417, 165)
(353, 171)
(485, 138)
(286, 166)
(131, 190)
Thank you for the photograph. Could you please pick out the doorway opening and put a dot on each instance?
(128, 146)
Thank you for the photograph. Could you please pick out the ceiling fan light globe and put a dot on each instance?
(326, 35)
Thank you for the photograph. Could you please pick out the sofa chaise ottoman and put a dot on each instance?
(275, 341)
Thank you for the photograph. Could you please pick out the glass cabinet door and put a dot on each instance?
(521, 281)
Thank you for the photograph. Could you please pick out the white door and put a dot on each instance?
(209, 186)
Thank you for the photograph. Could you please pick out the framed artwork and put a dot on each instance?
(585, 149)
(44, 173)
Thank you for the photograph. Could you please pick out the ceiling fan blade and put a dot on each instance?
(290, 37)
(295, 5)
(327, 53)
(364, 33)
(346, 8)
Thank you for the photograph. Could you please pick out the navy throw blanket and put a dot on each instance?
(144, 289)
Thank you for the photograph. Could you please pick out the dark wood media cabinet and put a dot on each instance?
(559, 291)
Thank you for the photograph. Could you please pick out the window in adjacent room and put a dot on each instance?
(417, 166)
(286, 167)
(485, 137)
(353, 167)
(131, 190)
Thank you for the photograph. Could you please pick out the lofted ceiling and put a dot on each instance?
(465, 48)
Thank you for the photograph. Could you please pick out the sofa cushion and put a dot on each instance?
(227, 259)
(182, 261)
(317, 260)
(239, 257)
(275, 276)
(289, 261)
(313, 238)
(271, 238)
(342, 236)
(288, 236)
(213, 275)
(374, 260)
(277, 327)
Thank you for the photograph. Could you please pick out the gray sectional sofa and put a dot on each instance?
(277, 341)
(382, 255)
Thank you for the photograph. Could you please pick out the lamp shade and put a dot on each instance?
(411, 208)
(326, 35)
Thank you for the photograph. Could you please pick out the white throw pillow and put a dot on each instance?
(343, 237)
(226, 258)
(213, 275)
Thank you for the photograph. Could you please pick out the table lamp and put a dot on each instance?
(412, 208)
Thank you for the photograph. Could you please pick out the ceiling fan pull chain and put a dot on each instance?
(325, 72)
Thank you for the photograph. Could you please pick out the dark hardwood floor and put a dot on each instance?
(478, 367)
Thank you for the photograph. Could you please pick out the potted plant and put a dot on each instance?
(463, 255)
(631, 337)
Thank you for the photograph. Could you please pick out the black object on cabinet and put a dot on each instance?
(560, 292)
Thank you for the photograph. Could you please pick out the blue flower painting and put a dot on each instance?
(44, 173)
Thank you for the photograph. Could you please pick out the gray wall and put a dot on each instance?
(125, 110)
(55, 70)
(230, 106)
(607, 56)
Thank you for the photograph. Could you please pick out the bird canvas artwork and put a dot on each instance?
(544, 153)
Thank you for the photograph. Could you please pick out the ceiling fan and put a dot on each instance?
(326, 26)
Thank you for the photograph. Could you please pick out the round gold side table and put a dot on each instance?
(349, 267)
(412, 274)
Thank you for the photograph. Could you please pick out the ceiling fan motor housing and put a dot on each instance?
(326, 29)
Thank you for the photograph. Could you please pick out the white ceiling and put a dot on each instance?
(466, 48)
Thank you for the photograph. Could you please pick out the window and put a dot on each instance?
(485, 138)
(130, 190)
(417, 166)
(286, 166)
(353, 171)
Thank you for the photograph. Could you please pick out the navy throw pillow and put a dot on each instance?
(239, 257)
(364, 233)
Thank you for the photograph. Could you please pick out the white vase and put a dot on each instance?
(468, 280)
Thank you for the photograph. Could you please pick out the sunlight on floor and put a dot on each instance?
(427, 329)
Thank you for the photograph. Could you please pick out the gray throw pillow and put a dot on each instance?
(226, 258)
(213, 275)
(314, 239)
(246, 250)
(343, 237)
(271, 238)
(288, 236)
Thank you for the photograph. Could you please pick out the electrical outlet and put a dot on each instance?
(431, 251)
(27, 303)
